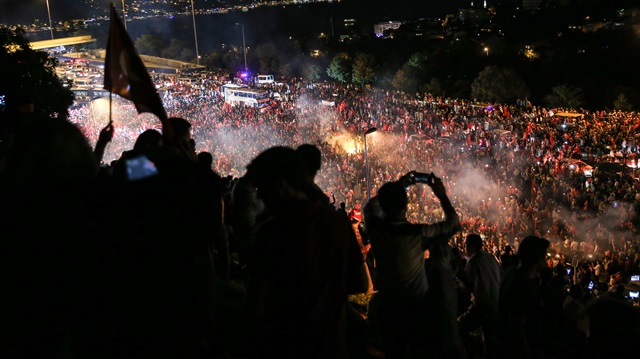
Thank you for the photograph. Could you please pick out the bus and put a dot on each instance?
(243, 95)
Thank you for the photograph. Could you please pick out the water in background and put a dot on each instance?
(275, 24)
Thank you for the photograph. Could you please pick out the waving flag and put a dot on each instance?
(125, 73)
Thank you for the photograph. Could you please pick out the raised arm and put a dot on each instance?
(106, 135)
(451, 223)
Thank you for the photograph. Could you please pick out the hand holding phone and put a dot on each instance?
(139, 168)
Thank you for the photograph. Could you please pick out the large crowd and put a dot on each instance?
(121, 238)
(512, 169)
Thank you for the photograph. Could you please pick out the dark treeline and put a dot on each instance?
(560, 51)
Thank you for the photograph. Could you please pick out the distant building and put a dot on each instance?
(349, 22)
(381, 27)
(530, 4)
(345, 38)
(478, 4)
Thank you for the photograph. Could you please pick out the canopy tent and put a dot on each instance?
(568, 114)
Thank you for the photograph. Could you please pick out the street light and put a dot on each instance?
(366, 161)
(244, 49)
(195, 34)
(50, 24)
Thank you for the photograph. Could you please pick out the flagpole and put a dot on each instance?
(124, 15)
(126, 75)
(195, 34)
(50, 24)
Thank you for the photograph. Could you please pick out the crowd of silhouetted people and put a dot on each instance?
(511, 168)
(504, 251)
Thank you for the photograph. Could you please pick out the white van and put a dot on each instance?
(263, 80)
(82, 82)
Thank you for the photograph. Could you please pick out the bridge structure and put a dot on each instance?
(63, 41)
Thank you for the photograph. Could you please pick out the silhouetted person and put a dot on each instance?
(147, 142)
(170, 250)
(483, 281)
(18, 114)
(106, 135)
(182, 138)
(312, 157)
(205, 159)
(614, 329)
(343, 207)
(441, 268)
(401, 278)
(53, 216)
(508, 259)
(304, 262)
(573, 324)
(245, 212)
(521, 306)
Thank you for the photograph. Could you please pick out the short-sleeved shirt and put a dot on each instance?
(399, 248)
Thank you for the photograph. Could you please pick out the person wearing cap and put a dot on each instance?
(400, 250)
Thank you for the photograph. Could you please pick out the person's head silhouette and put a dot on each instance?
(393, 199)
(279, 175)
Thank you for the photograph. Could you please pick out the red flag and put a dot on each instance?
(125, 73)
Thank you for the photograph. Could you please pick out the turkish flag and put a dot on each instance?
(125, 73)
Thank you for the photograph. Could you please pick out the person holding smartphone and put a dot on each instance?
(400, 250)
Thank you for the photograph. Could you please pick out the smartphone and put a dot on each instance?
(634, 295)
(590, 286)
(635, 278)
(140, 168)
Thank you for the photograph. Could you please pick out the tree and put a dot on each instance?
(149, 45)
(496, 84)
(340, 68)
(268, 58)
(287, 70)
(27, 73)
(564, 96)
(187, 55)
(232, 60)
(174, 50)
(177, 50)
(408, 78)
(434, 87)
(311, 72)
(418, 61)
(622, 103)
(213, 60)
(363, 72)
(403, 81)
